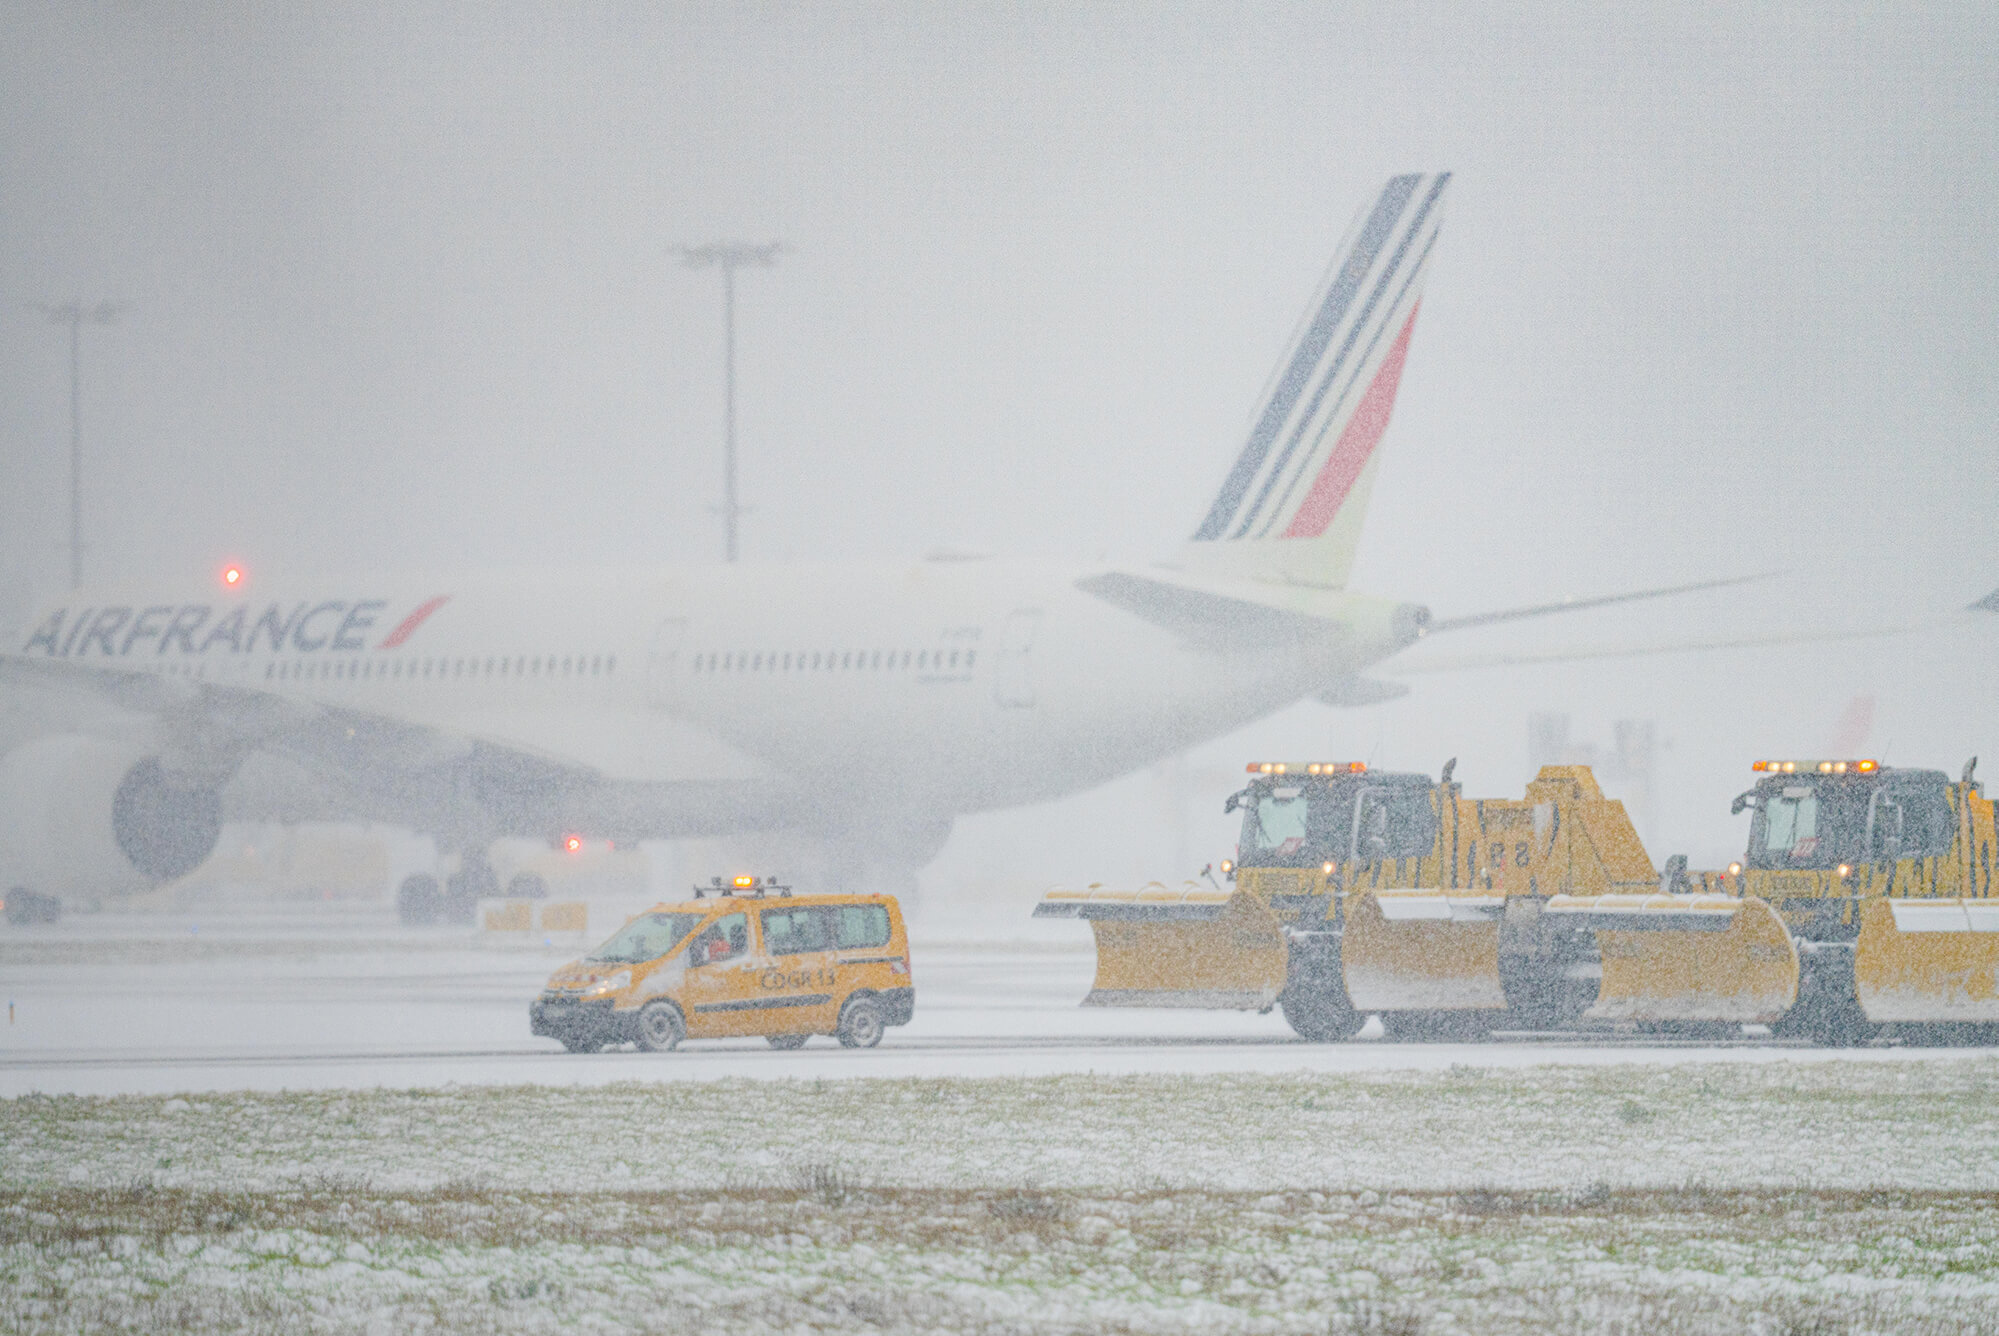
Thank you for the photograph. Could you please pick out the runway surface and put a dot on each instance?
(118, 1004)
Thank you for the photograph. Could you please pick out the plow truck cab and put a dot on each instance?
(743, 957)
(1864, 898)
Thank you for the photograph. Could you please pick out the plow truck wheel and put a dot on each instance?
(660, 1028)
(1314, 1000)
(418, 901)
(786, 1042)
(1321, 1014)
(1827, 1010)
(861, 1023)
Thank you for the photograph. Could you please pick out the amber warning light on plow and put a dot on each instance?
(1818, 767)
(1307, 767)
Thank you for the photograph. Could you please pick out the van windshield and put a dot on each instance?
(647, 937)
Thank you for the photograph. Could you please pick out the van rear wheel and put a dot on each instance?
(660, 1028)
(785, 1041)
(861, 1023)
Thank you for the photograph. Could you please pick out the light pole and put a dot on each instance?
(729, 256)
(76, 315)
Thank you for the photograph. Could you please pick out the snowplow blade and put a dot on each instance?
(1687, 957)
(1928, 960)
(1423, 951)
(1194, 947)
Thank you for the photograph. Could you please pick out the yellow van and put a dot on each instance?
(746, 957)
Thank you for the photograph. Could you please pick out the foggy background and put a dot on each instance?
(1714, 295)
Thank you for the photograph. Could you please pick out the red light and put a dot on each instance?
(232, 576)
(573, 844)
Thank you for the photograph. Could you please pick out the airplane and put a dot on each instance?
(860, 708)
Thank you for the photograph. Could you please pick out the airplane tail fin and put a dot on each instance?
(1290, 509)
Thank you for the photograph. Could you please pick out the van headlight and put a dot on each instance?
(612, 983)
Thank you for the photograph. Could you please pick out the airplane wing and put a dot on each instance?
(1453, 663)
(217, 724)
(1579, 604)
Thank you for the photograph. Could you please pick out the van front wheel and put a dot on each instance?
(660, 1028)
(861, 1023)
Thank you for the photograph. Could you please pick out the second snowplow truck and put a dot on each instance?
(1358, 892)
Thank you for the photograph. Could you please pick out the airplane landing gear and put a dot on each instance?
(25, 907)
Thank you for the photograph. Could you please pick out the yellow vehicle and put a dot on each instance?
(1864, 898)
(746, 957)
(1358, 891)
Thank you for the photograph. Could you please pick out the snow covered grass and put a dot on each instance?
(1793, 1198)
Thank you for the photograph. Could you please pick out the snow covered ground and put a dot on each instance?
(1806, 1196)
(272, 1125)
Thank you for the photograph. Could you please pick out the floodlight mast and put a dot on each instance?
(76, 315)
(729, 256)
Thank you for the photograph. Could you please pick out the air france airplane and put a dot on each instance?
(861, 708)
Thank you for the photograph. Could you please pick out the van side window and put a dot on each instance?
(861, 925)
(788, 932)
(724, 939)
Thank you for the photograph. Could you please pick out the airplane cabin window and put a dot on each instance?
(971, 657)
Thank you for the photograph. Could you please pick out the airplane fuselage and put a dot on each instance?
(939, 688)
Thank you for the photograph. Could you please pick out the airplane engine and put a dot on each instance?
(81, 816)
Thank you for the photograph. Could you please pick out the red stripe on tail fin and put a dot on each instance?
(1356, 443)
(410, 623)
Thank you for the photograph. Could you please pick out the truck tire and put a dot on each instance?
(861, 1023)
(660, 1028)
(1320, 1013)
(25, 907)
(1826, 1012)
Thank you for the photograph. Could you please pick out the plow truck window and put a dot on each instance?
(647, 937)
(1394, 822)
(1277, 824)
(1299, 825)
(1823, 823)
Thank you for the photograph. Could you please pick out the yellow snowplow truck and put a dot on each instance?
(1358, 891)
(1864, 898)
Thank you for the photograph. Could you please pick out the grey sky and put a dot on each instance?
(1714, 294)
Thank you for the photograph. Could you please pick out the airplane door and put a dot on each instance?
(663, 670)
(1013, 679)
